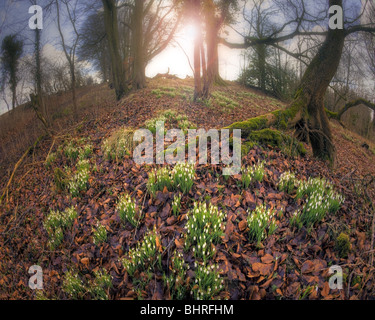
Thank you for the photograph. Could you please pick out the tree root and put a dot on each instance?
(294, 118)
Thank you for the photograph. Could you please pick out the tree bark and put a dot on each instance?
(139, 76)
(40, 106)
(261, 65)
(206, 81)
(195, 7)
(197, 69)
(111, 26)
(74, 95)
(14, 95)
(311, 120)
(213, 26)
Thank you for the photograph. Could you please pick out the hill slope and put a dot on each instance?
(63, 211)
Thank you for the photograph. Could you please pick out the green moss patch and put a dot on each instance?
(343, 245)
(275, 138)
(250, 125)
(331, 114)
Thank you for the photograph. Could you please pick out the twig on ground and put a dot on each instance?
(5, 192)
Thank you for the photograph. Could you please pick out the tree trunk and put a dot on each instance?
(261, 65)
(103, 66)
(213, 26)
(14, 94)
(197, 69)
(40, 106)
(206, 81)
(75, 107)
(195, 7)
(13, 86)
(111, 26)
(311, 119)
(38, 78)
(212, 48)
(139, 74)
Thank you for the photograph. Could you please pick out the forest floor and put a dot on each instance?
(87, 251)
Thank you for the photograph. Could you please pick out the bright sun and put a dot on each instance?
(175, 57)
(179, 57)
(191, 32)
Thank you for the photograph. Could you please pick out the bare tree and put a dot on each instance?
(149, 26)
(369, 58)
(93, 46)
(154, 23)
(260, 25)
(4, 8)
(72, 11)
(209, 17)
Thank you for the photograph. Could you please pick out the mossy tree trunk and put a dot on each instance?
(310, 117)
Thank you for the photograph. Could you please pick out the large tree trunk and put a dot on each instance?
(111, 26)
(311, 118)
(213, 26)
(139, 75)
(261, 53)
(212, 48)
